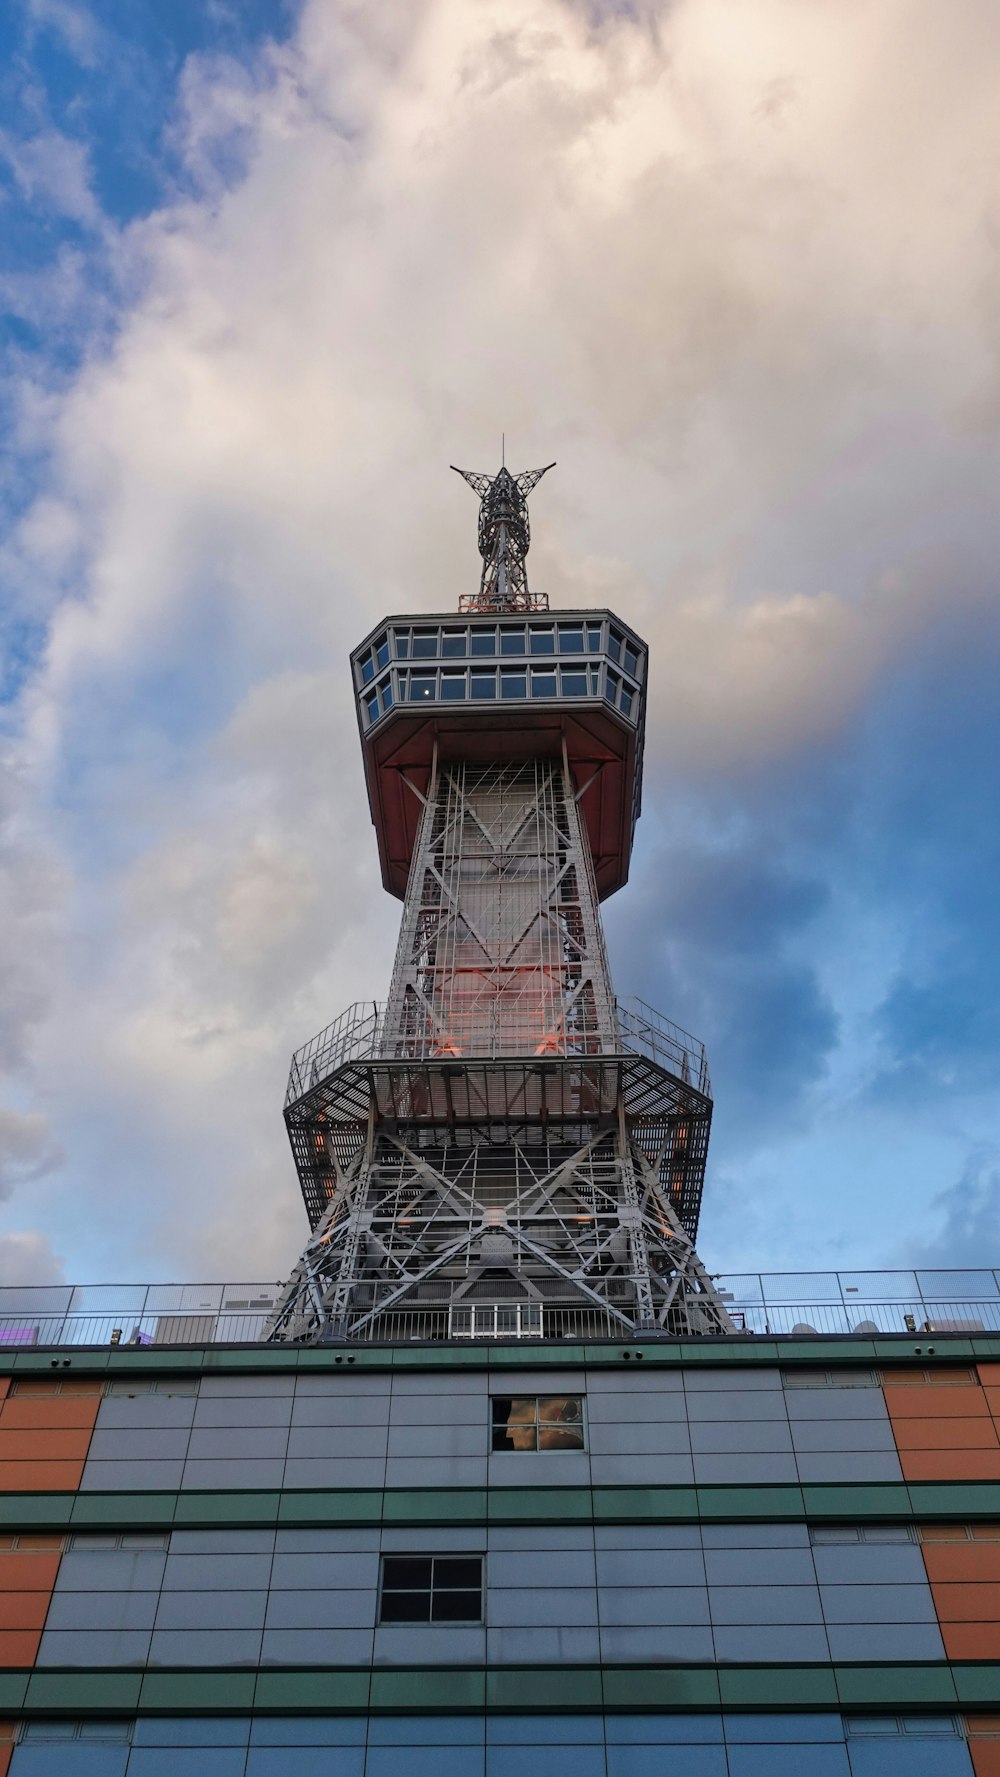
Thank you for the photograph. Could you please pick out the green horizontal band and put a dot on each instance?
(715, 1350)
(518, 1690)
(848, 1502)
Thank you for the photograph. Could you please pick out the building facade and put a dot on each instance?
(509, 1484)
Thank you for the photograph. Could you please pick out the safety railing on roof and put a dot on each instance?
(796, 1305)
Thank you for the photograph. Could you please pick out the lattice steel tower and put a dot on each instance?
(503, 1148)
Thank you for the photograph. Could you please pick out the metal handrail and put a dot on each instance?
(359, 1034)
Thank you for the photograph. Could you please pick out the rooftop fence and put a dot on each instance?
(776, 1304)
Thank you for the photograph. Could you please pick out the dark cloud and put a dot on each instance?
(968, 1216)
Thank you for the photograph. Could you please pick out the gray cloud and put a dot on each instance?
(968, 1221)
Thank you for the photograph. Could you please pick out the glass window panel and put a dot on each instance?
(387, 696)
(513, 685)
(484, 641)
(367, 670)
(402, 641)
(456, 1607)
(625, 701)
(595, 681)
(512, 641)
(382, 652)
(453, 687)
(484, 685)
(422, 687)
(614, 644)
(454, 644)
(405, 1607)
(462, 1570)
(574, 682)
(570, 640)
(543, 641)
(406, 1570)
(424, 643)
(631, 660)
(108, 1298)
(543, 684)
(371, 705)
(799, 1287)
(594, 638)
(611, 684)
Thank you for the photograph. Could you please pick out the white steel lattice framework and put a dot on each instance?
(504, 1146)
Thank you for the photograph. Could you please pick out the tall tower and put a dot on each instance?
(501, 1148)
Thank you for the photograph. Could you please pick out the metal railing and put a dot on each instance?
(775, 1304)
(359, 1034)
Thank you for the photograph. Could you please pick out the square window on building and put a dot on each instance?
(422, 687)
(513, 684)
(543, 684)
(574, 681)
(431, 1589)
(484, 685)
(484, 641)
(453, 687)
(454, 643)
(538, 1422)
(570, 640)
(543, 641)
(512, 641)
(425, 643)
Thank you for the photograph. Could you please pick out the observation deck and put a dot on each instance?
(499, 690)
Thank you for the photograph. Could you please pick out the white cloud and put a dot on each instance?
(27, 1258)
(726, 264)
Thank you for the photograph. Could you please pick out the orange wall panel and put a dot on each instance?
(985, 1755)
(40, 1477)
(18, 1647)
(971, 1563)
(43, 1446)
(989, 1373)
(61, 1413)
(950, 1465)
(945, 1434)
(971, 1641)
(23, 1610)
(962, 1602)
(960, 1401)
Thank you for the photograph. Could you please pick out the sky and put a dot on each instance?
(266, 269)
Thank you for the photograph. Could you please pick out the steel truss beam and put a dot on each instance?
(490, 1137)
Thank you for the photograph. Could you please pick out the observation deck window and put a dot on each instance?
(538, 1422)
(401, 643)
(631, 660)
(484, 685)
(570, 640)
(543, 684)
(371, 705)
(512, 641)
(424, 643)
(453, 687)
(422, 687)
(543, 641)
(387, 698)
(625, 700)
(382, 652)
(611, 685)
(484, 641)
(367, 670)
(614, 644)
(455, 644)
(574, 681)
(514, 684)
(593, 638)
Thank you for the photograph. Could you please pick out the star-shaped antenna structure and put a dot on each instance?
(504, 540)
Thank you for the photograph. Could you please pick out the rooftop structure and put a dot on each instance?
(504, 1140)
